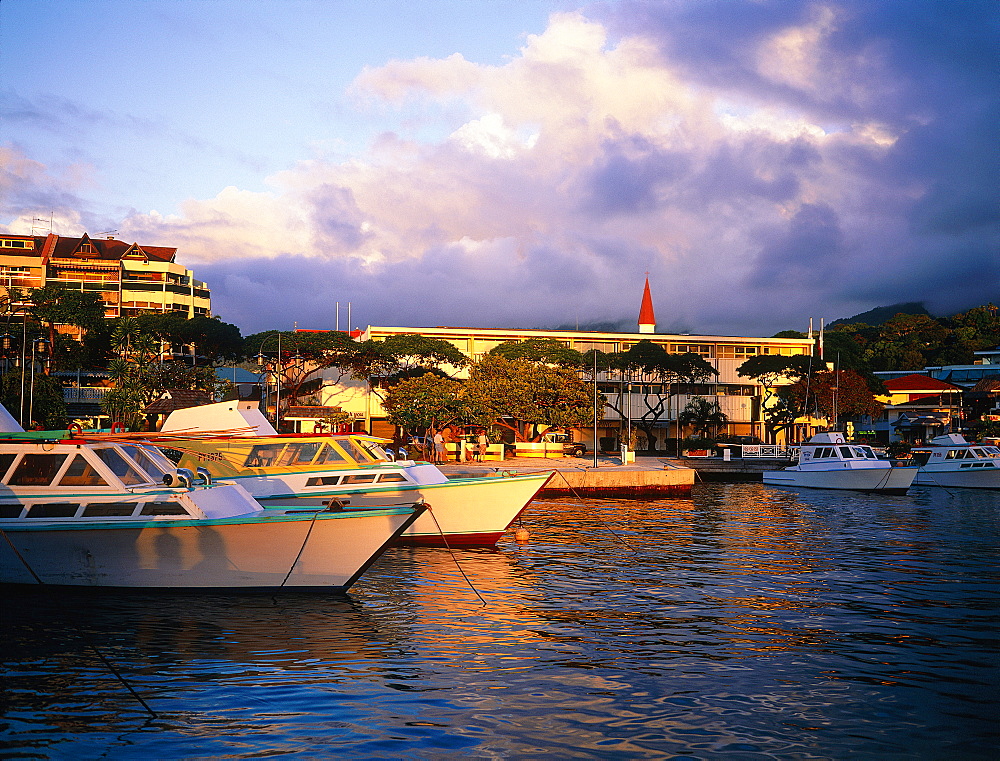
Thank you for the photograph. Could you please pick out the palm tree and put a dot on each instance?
(704, 416)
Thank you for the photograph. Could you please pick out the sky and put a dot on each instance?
(519, 163)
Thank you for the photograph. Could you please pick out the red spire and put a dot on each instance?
(646, 316)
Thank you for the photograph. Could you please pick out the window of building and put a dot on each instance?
(729, 351)
(27, 244)
(704, 350)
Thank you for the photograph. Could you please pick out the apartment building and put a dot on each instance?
(129, 278)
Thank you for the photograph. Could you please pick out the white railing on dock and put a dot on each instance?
(764, 450)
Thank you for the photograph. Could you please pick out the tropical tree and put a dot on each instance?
(704, 416)
(834, 395)
(296, 358)
(41, 401)
(380, 362)
(545, 350)
(214, 341)
(521, 396)
(427, 401)
(647, 363)
(55, 305)
(769, 370)
(137, 351)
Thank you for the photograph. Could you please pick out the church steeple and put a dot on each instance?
(647, 320)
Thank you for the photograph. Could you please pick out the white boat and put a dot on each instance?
(312, 469)
(950, 460)
(77, 512)
(828, 461)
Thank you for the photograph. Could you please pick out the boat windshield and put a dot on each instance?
(81, 473)
(299, 454)
(147, 462)
(354, 449)
(120, 467)
(330, 455)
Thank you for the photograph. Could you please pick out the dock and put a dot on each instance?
(647, 477)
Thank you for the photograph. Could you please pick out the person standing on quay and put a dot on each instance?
(481, 444)
(438, 447)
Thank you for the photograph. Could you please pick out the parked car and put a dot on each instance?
(570, 447)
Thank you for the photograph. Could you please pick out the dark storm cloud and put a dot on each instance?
(928, 71)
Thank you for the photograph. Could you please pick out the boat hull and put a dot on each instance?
(464, 511)
(270, 550)
(967, 478)
(888, 480)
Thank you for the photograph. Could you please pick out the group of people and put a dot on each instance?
(439, 438)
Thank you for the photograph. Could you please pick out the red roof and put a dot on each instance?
(646, 316)
(106, 249)
(917, 382)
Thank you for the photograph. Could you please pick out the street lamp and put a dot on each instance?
(261, 360)
(41, 347)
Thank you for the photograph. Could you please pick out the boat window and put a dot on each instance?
(385, 477)
(992, 451)
(120, 467)
(152, 468)
(10, 511)
(330, 455)
(5, 461)
(36, 469)
(109, 510)
(262, 456)
(846, 453)
(81, 473)
(323, 481)
(163, 508)
(978, 452)
(360, 478)
(351, 447)
(299, 454)
(53, 510)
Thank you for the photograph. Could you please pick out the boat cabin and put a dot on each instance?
(76, 479)
(952, 448)
(831, 447)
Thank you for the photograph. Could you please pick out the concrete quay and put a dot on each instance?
(648, 477)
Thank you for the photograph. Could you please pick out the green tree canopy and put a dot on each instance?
(419, 403)
(545, 350)
(520, 395)
(704, 416)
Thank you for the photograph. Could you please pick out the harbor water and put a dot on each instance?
(743, 622)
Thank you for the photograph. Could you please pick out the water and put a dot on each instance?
(743, 623)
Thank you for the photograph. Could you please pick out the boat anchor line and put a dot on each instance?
(90, 644)
(583, 502)
(452, 552)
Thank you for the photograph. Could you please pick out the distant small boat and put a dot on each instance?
(75, 512)
(828, 461)
(312, 469)
(951, 461)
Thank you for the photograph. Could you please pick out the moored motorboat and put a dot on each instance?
(828, 461)
(951, 461)
(79, 512)
(312, 469)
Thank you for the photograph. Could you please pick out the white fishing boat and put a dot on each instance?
(828, 461)
(951, 461)
(354, 469)
(80, 512)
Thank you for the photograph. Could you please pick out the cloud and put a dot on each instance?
(764, 162)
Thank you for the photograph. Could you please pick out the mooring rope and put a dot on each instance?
(90, 644)
(453, 556)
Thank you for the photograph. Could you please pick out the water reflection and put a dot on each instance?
(742, 622)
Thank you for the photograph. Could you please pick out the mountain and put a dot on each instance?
(881, 315)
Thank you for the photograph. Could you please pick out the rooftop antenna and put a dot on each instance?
(39, 224)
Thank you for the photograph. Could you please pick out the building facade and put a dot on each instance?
(738, 397)
(129, 278)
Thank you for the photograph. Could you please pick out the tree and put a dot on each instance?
(769, 370)
(380, 361)
(519, 396)
(704, 416)
(295, 358)
(646, 363)
(427, 401)
(55, 305)
(42, 402)
(137, 351)
(213, 340)
(834, 395)
(545, 350)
